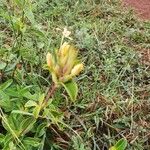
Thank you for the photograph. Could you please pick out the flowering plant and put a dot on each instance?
(64, 66)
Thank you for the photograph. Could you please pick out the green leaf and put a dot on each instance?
(31, 141)
(27, 125)
(36, 30)
(72, 89)
(22, 112)
(28, 13)
(30, 104)
(30, 96)
(120, 145)
(41, 99)
(12, 146)
(5, 102)
(1, 138)
(41, 129)
(36, 111)
(2, 65)
(6, 84)
(7, 140)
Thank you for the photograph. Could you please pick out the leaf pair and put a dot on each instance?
(120, 145)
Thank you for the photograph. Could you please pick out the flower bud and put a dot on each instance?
(64, 49)
(72, 58)
(77, 69)
(57, 70)
(49, 59)
(63, 60)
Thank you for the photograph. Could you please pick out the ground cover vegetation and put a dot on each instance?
(45, 106)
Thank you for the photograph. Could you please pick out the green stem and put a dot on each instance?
(62, 39)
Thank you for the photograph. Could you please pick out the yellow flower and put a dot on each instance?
(77, 69)
(72, 58)
(63, 53)
(65, 67)
(64, 49)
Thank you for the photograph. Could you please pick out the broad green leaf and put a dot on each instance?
(42, 145)
(30, 104)
(27, 124)
(2, 138)
(7, 140)
(6, 103)
(28, 13)
(30, 96)
(120, 145)
(72, 89)
(10, 125)
(2, 65)
(40, 45)
(12, 146)
(22, 112)
(6, 84)
(3, 96)
(41, 129)
(11, 67)
(36, 111)
(31, 141)
(37, 31)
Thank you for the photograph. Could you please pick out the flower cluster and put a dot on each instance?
(64, 64)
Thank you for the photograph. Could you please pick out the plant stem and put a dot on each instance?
(62, 39)
(49, 94)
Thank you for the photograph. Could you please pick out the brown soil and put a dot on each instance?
(141, 7)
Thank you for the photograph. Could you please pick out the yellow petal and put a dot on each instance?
(64, 49)
(63, 54)
(57, 70)
(49, 59)
(77, 69)
(72, 56)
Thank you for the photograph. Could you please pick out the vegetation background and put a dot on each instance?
(114, 89)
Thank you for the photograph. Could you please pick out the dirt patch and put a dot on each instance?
(141, 7)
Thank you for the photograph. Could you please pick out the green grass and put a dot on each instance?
(114, 89)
